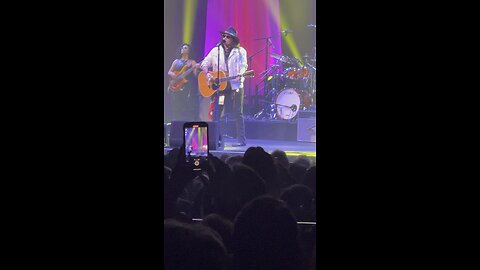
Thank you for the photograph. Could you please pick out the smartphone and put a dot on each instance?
(195, 138)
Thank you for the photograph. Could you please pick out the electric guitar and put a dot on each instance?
(217, 83)
(177, 83)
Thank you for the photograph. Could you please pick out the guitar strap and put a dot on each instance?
(182, 63)
(226, 61)
(232, 93)
(226, 64)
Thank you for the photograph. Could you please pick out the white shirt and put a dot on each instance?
(237, 63)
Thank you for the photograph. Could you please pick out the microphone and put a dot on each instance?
(219, 43)
(312, 25)
(286, 32)
(293, 107)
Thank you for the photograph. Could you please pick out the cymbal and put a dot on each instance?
(282, 58)
(276, 56)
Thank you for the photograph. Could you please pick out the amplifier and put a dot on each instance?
(166, 134)
(307, 126)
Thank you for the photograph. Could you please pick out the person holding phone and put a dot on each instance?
(195, 140)
(233, 61)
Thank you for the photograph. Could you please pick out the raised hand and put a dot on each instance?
(182, 173)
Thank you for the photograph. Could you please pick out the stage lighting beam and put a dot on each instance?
(189, 8)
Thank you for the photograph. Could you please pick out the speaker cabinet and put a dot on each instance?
(215, 140)
(166, 134)
(307, 126)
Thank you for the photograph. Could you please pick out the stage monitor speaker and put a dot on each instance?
(307, 126)
(166, 134)
(176, 135)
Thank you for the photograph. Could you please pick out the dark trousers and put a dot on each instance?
(183, 106)
(233, 110)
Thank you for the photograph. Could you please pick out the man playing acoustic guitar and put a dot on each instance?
(183, 86)
(233, 61)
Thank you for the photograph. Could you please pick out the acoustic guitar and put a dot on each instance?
(217, 83)
(177, 83)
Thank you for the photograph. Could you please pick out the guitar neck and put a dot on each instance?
(186, 73)
(229, 78)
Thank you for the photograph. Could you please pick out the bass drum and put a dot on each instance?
(287, 104)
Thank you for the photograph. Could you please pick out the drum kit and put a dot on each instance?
(290, 90)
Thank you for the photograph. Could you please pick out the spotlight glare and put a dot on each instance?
(189, 8)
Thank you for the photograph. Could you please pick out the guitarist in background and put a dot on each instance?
(184, 101)
(233, 61)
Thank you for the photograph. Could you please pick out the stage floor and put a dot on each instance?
(293, 149)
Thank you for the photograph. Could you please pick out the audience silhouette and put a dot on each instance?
(262, 163)
(223, 226)
(187, 247)
(265, 236)
(240, 212)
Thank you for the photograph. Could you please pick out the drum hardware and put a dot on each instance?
(286, 104)
(293, 108)
(265, 73)
(311, 67)
(282, 58)
(296, 73)
(266, 113)
(268, 43)
(303, 73)
(268, 79)
(268, 110)
(290, 73)
(288, 92)
(297, 62)
(295, 94)
(306, 58)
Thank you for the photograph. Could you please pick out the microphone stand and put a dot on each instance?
(217, 103)
(313, 80)
(251, 93)
(268, 111)
(267, 39)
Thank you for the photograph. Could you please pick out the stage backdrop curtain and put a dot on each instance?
(252, 19)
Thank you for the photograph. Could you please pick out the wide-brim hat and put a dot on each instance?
(232, 32)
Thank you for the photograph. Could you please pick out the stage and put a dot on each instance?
(292, 149)
(295, 138)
